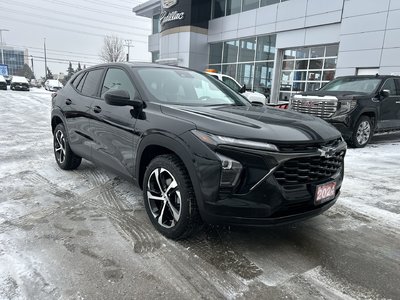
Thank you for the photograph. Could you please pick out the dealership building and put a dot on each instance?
(277, 47)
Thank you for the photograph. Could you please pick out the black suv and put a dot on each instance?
(359, 106)
(200, 151)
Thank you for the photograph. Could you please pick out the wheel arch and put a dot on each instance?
(157, 144)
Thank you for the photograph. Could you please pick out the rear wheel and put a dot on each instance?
(169, 198)
(66, 159)
(363, 132)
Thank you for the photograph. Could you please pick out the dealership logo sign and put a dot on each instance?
(169, 3)
(166, 17)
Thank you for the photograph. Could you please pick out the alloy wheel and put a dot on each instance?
(363, 132)
(164, 197)
(59, 146)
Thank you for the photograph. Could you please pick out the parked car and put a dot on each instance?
(3, 83)
(253, 97)
(359, 106)
(53, 85)
(19, 83)
(200, 151)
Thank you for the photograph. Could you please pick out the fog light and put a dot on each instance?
(230, 171)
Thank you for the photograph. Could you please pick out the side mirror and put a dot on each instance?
(121, 98)
(384, 93)
(242, 89)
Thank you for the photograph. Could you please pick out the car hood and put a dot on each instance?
(337, 94)
(255, 123)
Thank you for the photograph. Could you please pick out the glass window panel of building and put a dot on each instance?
(221, 8)
(250, 61)
(307, 69)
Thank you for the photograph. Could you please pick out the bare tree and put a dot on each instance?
(113, 49)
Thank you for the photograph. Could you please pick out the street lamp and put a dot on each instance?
(1, 44)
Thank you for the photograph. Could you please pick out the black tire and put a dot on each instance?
(363, 132)
(179, 199)
(65, 158)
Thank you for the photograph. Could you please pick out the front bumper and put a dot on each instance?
(271, 202)
(20, 87)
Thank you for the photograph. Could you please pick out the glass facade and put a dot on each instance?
(307, 69)
(156, 24)
(249, 60)
(14, 59)
(221, 8)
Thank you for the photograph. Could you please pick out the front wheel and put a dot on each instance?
(169, 198)
(363, 132)
(66, 159)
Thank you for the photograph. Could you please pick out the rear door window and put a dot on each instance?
(92, 82)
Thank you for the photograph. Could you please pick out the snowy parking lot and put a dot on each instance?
(84, 234)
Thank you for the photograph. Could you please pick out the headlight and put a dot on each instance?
(216, 140)
(346, 106)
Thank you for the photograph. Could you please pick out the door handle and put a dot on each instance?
(68, 101)
(397, 102)
(97, 109)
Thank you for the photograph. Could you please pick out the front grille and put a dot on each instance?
(308, 147)
(308, 169)
(323, 107)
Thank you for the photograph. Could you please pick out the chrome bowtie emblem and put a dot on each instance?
(169, 3)
(327, 152)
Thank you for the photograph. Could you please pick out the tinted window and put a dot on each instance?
(80, 84)
(117, 79)
(229, 82)
(390, 86)
(77, 80)
(92, 82)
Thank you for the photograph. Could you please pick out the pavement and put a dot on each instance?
(84, 234)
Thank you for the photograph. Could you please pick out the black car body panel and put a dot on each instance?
(124, 139)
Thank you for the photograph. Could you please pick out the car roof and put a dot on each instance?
(134, 65)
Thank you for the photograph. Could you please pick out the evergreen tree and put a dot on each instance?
(70, 72)
(84, 67)
(49, 74)
(79, 67)
(26, 72)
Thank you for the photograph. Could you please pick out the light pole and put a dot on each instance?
(33, 71)
(129, 45)
(1, 44)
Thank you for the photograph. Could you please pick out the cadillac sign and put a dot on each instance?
(169, 16)
(179, 13)
(169, 3)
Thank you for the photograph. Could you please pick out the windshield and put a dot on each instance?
(185, 87)
(352, 84)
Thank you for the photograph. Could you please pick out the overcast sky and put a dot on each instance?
(74, 30)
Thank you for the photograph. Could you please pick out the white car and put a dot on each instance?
(253, 97)
(53, 85)
(19, 83)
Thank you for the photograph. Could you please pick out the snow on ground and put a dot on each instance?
(84, 234)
